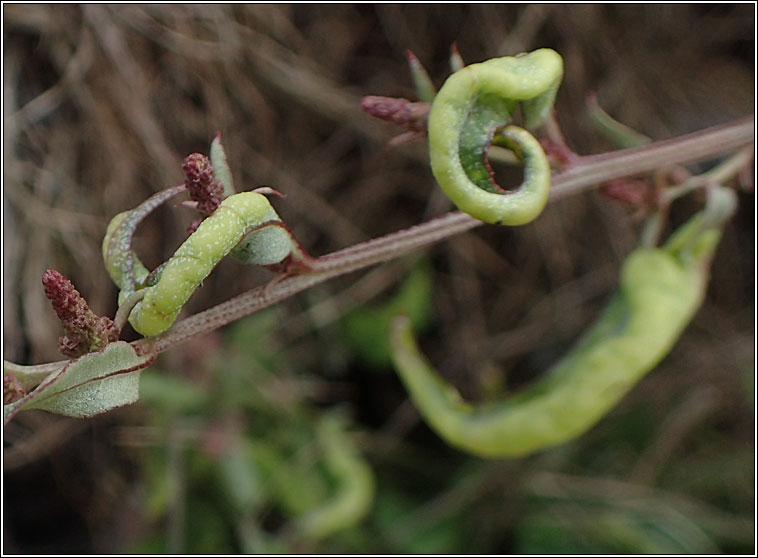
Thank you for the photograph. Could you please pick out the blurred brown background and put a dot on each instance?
(102, 103)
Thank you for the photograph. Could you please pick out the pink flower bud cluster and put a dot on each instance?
(85, 330)
(201, 183)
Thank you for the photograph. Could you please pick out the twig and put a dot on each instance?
(583, 174)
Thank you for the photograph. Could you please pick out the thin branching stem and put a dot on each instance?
(716, 175)
(593, 169)
(583, 173)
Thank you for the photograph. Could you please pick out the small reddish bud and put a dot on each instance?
(201, 183)
(636, 193)
(404, 113)
(85, 330)
(423, 83)
(456, 60)
(411, 58)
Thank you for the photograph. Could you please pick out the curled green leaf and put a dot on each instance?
(660, 290)
(216, 236)
(473, 104)
(122, 264)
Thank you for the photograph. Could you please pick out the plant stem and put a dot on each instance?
(704, 144)
(717, 175)
(583, 173)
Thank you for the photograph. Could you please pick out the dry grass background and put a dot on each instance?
(102, 102)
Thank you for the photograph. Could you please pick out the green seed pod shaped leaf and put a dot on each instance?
(659, 292)
(195, 259)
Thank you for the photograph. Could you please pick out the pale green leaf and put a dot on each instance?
(221, 166)
(90, 385)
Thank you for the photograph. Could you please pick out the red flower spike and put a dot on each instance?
(201, 183)
(404, 113)
(85, 330)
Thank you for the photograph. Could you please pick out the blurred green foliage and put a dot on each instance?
(366, 329)
(248, 463)
(234, 456)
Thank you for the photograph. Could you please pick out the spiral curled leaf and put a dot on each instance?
(473, 105)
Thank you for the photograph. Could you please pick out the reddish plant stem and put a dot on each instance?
(583, 173)
(593, 169)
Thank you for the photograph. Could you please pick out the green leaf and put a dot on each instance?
(240, 477)
(221, 166)
(294, 485)
(89, 385)
(123, 265)
(266, 245)
(162, 391)
(366, 329)
(206, 531)
(421, 81)
(584, 529)
(620, 134)
(353, 495)
(405, 531)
